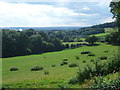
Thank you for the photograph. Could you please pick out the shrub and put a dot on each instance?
(99, 69)
(110, 84)
(61, 64)
(73, 65)
(37, 68)
(106, 51)
(46, 72)
(83, 74)
(14, 69)
(103, 57)
(53, 65)
(65, 59)
(84, 61)
(73, 81)
(92, 60)
(77, 57)
(91, 54)
(86, 52)
(64, 63)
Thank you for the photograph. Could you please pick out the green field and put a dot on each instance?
(58, 75)
(74, 43)
(101, 34)
(109, 30)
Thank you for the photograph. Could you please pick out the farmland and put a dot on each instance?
(58, 75)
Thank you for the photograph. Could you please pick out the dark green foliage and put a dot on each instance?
(77, 57)
(91, 54)
(103, 57)
(102, 84)
(84, 61)
(105, 25)
(92, 60)
(86, 52)
(46, 72)
(86, 73)
(73, 65)
(14, 69)
(53, 65)
(99, 69)
(106, 51)
(17, 43)
(115, 10)
(113, 38)
(64, 63)
(65, 59)
(73, 46)
(73, 81)
(36, 68)
(67, 46)
(91, 39)
(57, 44)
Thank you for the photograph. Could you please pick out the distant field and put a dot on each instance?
(74, 43)
(57, 75)
(109, 30)
(101, 34)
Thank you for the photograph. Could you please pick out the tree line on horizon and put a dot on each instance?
(17, 43)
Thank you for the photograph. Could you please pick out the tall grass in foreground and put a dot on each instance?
(110, 84)
(99, 69)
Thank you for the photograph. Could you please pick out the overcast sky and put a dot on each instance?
(47, 14)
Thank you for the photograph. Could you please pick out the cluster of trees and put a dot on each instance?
(71, 36)
(74, 35)
(91, 39)
(114, 38)
(105, 25)
(15, 43)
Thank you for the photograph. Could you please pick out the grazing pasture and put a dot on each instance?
(47, 69)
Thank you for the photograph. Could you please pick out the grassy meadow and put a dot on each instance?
(58, 75)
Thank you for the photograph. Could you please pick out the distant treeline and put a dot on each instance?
(16, 43)
(105, 25)
(70, 36)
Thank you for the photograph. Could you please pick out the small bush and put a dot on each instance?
(73, 81)
(77, 57)
(46, 72)
(65, 59)
(84, 61)
(53, 65)
(91, 54)
(110, 84)
(103, 57)
(92, 60)
(61, 64)
(98, 69)
(37, 68)
(85, 73)
(14, 69)
(64, 63)
(73, 65)
(86, 52)
(106, 51)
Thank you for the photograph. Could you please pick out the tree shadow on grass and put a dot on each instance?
(93, 44)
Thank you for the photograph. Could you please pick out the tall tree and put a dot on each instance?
(115, 9)
(91, 39)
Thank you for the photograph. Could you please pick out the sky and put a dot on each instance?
(54, 13)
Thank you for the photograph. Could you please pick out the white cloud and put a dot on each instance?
(13, 14)
(86, 8)
(109, 19)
